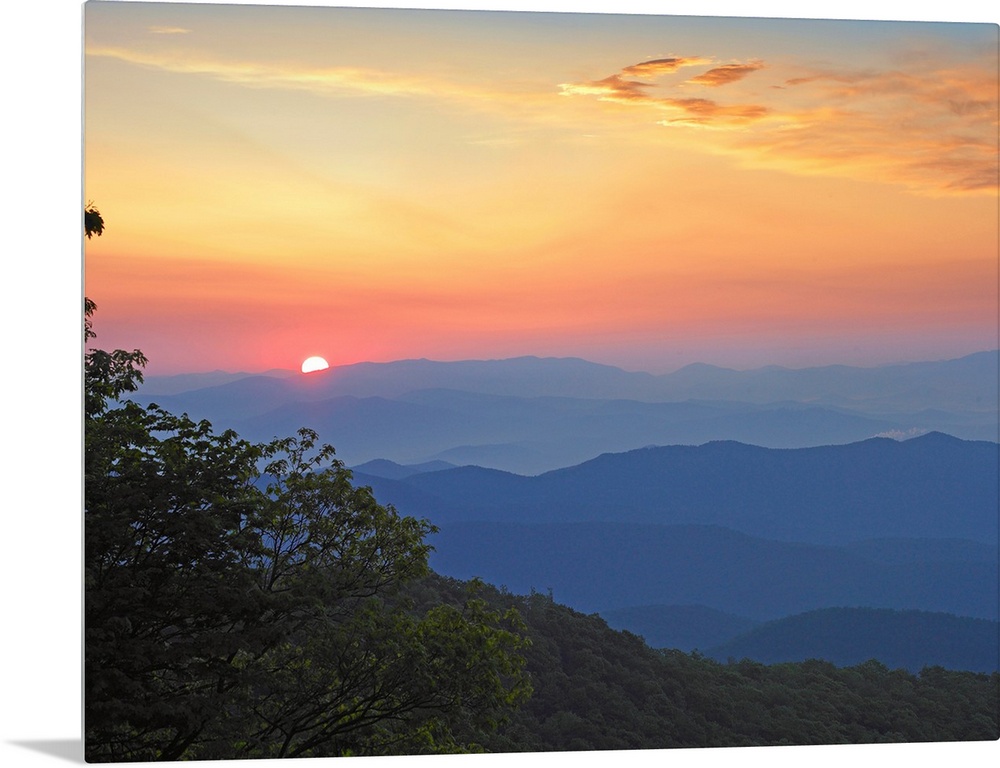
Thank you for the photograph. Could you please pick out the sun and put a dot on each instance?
(311, 364)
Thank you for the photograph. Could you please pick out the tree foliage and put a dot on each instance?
(243, 600)
(93, 222)
(597, 688)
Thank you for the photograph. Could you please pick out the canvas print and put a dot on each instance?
(480, 381)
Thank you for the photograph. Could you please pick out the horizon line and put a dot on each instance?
(567, 358)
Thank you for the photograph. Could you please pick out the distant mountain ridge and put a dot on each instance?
(910, 640)
(605, 566)
(187, 382)
(531, 415)
(933, 486)
(973, 379)
(393, 471)
(737, 529)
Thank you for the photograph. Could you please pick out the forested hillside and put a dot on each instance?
(597, 688)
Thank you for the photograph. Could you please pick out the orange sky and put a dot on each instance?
(642, 191)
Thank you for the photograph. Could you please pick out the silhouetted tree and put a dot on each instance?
(93, 222)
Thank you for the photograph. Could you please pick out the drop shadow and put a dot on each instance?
(70, 750)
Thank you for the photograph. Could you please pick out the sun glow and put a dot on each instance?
(763, 194)
(312, 364)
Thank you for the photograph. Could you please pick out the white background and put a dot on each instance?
(40, 496)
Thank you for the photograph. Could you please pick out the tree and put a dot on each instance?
(93, 222)
(168, 603)
(384, 681)
(168, 607)
(244, 600)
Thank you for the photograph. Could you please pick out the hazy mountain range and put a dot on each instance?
(910, 640)
(529, 415)
(692, 546)
(768, 513)
(598, 567)
(967, 382)
(845, 636)
(933, 486)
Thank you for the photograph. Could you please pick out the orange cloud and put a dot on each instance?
(657, 67)
(697, 110)
(926, 126)
(613, 88)
(931, 128)
(706, 110)
(727, 73)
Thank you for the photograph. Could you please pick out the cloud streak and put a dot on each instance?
(727, 73)
(343, 81)
(929, 127)
(657, 67)
(330, 79)
(694, 110)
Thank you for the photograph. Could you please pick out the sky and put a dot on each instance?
(638, 190)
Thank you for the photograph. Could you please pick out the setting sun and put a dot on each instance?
(311, 364)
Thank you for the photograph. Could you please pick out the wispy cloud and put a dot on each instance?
(283, 76)
(657, 67)
(518, 102)
(932, 128)
(694, 110)
(169, 30)
(613, 88)
(929, 127)
(727, 73)
(705, 110)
